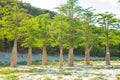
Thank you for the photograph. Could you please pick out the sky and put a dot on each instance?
(100, 5)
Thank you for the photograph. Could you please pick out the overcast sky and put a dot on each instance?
(100, 5)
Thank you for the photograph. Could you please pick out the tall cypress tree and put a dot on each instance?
(13, 15)
(71, 10)
(107, 20)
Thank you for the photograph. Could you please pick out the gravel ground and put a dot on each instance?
(50, 72)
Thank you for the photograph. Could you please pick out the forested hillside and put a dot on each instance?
(75, 30)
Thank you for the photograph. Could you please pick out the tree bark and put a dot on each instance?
(29, 62)
(61, 56)
(87, 56)
(44, 55)
(107, 54)
(13, 61)
(71, 56)
(107, 45)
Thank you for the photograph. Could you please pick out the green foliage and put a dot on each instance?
(32, 26)
(71, 10)
(89, 32)
(43, 30)
(58, 30)
(98, 51)
(73, 32)
(11, 19)
(107, 21)
(114, 36)
(30, 33)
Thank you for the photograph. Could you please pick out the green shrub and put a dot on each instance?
(22, 63)
(37, 62)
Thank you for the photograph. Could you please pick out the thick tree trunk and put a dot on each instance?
(71, 56)
(44, 55)
(61, 56)
(87, 56)
(13, 61)
(29, 62)
(107, 54)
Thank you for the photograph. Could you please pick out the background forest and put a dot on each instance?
(24, 28)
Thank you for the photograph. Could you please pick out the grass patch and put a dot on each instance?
(69, 68)
(11, 77)
(9, 71)
(20, 71)
(116, 67)
(78, 62)
(78, 79)
(5, 71)
(91, 62)
(96, 62)
(98, 78)
(48, 78)
(63, 72)
(59, 77)
(97, 67)
(36, 70)
(118, 76)
(55, 63)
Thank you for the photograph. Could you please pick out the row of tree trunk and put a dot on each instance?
(13, 61)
